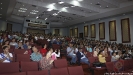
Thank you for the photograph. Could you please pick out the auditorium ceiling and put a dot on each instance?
(68, 12)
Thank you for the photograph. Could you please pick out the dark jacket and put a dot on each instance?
(78, 54)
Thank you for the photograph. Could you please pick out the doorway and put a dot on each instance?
(81, 35)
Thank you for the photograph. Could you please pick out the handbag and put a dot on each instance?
(96, 64)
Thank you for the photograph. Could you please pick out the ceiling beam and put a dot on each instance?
(55, 7)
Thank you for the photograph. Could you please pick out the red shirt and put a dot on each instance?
(43, 51)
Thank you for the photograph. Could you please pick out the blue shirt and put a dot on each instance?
(25, 46)
(36, 57)
(89, 49)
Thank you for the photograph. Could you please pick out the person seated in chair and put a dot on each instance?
(6, 57)
(82, 57)
(71, 53)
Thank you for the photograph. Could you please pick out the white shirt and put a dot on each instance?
(6, 61)
(83, 55)
(69, 49)
(13, 43)
(57, 55)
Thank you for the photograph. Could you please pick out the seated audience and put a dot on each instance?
(46, 63)
(36, 56)
(6, 57)
(13, 43)
(82, 57)
(95, 53)
(55, 53)
(101, 57)
(114, 58)
(71, 53)
(43, 51)
(26, 45)
(19, 46)
(6, 43)
(89, 49)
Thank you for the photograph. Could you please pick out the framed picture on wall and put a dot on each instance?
(125, 30)
(76, 32)
(86, 31)
(112, 30)
(71, 32)
(93, 31)
(102, 30)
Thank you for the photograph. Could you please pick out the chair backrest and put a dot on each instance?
(11, 50)
(23, 57)
(60, 63)
(130, 62)
(89, 54)
(29, 66)
(19, 73)
(110, 66)
(108, 59)
(12, 47)
(43, 72)
(9, 67)
(19, 51)
(56, 46)
(92, 60)
(60, 71)
(75, 70)
(126, 65)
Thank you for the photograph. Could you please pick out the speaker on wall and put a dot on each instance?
(27, 20)
(47, 23)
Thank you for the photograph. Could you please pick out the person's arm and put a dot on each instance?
(32, 57)
(1, 60)
(69, 51)
(10, 56)
(58, 55)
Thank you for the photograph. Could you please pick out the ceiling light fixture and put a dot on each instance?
(59, 12)
(107, 6)
(33, 13)
(1, 8)
(100, 6)
(60, 2)
(0, 3)
(90, 3)
(46, 18)
(21, 10)
(49, 9)
(73, 6)
(23, 5)
(65, 7)
(37, 17)
(79, 0)
(0, 14)
(0, 17)
(53, 3)
(55, 14)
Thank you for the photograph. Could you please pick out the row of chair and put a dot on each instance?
(30, 68)
(126, 64)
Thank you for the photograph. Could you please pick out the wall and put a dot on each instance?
(106, 20)
(15, 26)
(63, 31)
